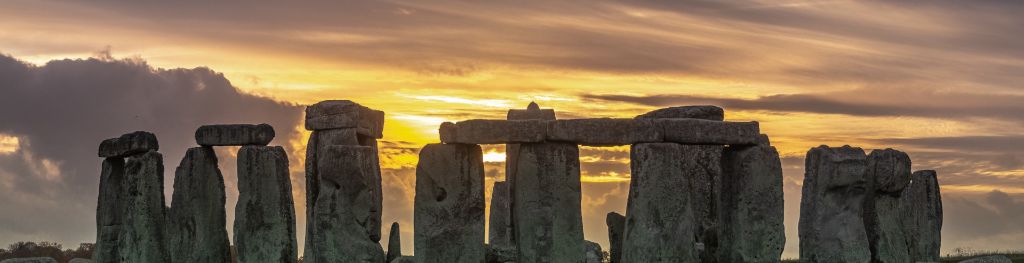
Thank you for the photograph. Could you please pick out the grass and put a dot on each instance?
(960, 254)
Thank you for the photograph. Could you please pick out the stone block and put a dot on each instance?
(751, 227)
(922, 202)
(234, 134)
(697, 131)
(661, 220)
(264, 228)
(449, 204)
(197, 220)
(547, 219)
(344, 207)
(832, 206)
(493, 131)
(887, 174)
(616, 230)
(394, 243)
(500, 225)
(129, 144)
(338, 114)
(604, 131)
(705, 112)
(143, 234)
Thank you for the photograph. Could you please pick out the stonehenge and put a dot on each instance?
(197, 217)
(923, 201)
(616, 226)
(831, 208)
(449, 204)
(499, 227)
(264, 229)
(662, 221)
(751, 205)
(394, 243)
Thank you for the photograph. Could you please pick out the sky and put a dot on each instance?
(940, 80)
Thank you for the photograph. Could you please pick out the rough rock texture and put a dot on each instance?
(887, 174)
(377, 210)
(264, 228)
(110, 210)
(79, 260)
(661, 222)
(532, 112)
(604, 131)
(751, 227)
(405, 259)
(592, 252)
(344, 207)
(702, 166)
(616, 229)
(501, 254)
(449, 204)
(500, 227)
(493, 131)
(394, 243)
(548, 222)
(706, 112)
(143, 237)
(234, 134)
(30, 260)
(831, 226)
(989, 259)
(129, 144)
(337, 114)
(922, 201)
(697, 131)
(197, 221)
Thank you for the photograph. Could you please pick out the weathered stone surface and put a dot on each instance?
(110, 210)
(706, 112)
(887, 174)
(449, 204)
(989, 259)
(129, 144)
(337, 114)
(922, 202)
(79, 260)
(30, 260)
(493, 131)
(344, 207)
(197, 220)
(661, 222)
(548, 222)
(500, 227)
(697, 131)
(616, 230)
(831, 206)
(405, 259)
(592, 252)
(234, 134)
(394, 243)
(604, 131)
(501, 254)
(264, 228)
(376, 211)
(143, 236)
(532, 112)
(752, 227)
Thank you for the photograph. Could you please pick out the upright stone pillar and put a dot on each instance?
(831, 207)
(887, 174)
(394, 243)
(547, 217)
(449, 209)
(923, 202)
(343, 207)
(197, 220)
(616, 229)
(264, 229)
(143, 236)
(751, 224)
(500, 227)
(532, 112)
(110, 210)
(661, 224)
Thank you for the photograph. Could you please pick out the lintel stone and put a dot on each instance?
(129, 144)
(338, 114)
(234, 134)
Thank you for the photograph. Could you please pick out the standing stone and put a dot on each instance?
(110, 210)
(79, 260)
(449, 208)
(751, 227)
(344, 114)
(500, 228)
(344, 207)
(197, 220)
(532, 112)
(706, 112)
(831, 206)
(547, 219)
(143, 236)
(616, 229)
(661, 223)
(376, 189)
(264, 229)
(129, 144)
(702, 166)
(592, 252)
(923, 202)
(394, 243)
(30, 260)
(234, 134)
(887, 174)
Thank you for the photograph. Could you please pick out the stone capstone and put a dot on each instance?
(264, 227)
(143, 235)
(129, 144)
(110, 210)
(343, 207)
(616, 229)
(603, 131)
(532, 112)
(30, 260)
(922, 202)
(546, 200)
(339, 114)
(989, 259)
(500, 228)
(661, 222)
(706, 112)
(449, 204)
(196, 219)
(493, 131)
(234, 134)
(887, 174)
(752, 226)
(697, 131)
(394, 243)
(831, 226)
(592, 252)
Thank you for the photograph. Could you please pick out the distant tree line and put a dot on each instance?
(46, 249)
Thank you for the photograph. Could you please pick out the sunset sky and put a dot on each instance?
(940, 80)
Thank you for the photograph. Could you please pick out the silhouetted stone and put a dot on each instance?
(264, 228)
(500, 228)
(344, 207)
(922, 202)
(404, 259)
(548, 222)
(697, 131)
(592, 252)
(234, 134)
(129, 144)
(376, 211)
(30, 260)
(493, 131)
(79, 260)
(110, 210)
(661, 222)
(532, 112)
(887, 174)
(604, 131)
(143, 237)
(831, 206)
(989, 259)
(394, 243)
(752, 227)
(449, 208)
(197, 220)
(337, 114)
(706, 112)
(616, 230)
(501, 254)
